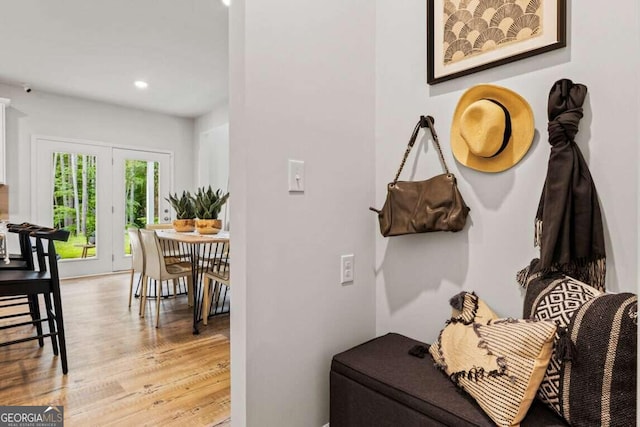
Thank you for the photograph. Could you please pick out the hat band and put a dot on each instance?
(507, 128)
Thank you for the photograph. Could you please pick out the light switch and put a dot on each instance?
(296, 176)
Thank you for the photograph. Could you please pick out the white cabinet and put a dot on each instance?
(4, 103)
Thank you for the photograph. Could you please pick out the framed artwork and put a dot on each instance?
(466, 36)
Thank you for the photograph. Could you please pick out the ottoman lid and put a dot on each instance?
(385, 366)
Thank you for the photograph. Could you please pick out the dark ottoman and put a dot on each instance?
(379, 384)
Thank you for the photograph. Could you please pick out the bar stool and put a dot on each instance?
(33, 283)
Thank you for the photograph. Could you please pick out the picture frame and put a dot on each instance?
(461, 41)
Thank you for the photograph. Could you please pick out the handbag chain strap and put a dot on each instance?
(424, 122)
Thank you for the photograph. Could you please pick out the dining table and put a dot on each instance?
(207, 252)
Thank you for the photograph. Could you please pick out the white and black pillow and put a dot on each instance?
(591, 378)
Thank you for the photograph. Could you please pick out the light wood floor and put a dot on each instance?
(122, 370)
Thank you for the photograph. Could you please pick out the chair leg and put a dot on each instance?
(216, 297)
(158, 287)
(131, 287)
(52, 325)
(143, 295)
(57, 304)
(209, 296)
(175, 288)
(190, 296)
(137, 292)
(205, 299)
(34, 310)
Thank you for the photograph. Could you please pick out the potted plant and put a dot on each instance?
(91, 230)
(208, 205)
(185, 211)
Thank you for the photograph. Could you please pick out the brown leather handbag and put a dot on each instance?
(422, 206)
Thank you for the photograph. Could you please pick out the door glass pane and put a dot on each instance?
(141, 196)
(74, 203)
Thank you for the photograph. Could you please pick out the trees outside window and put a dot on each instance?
(74, 198)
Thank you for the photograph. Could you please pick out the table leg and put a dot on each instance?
(195, 260)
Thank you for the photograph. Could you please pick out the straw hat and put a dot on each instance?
(492, 128)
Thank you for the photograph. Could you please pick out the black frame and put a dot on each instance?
(561, 41)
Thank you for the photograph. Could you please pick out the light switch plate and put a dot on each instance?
(296, 176)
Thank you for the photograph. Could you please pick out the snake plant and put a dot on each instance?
(183, 205)
(209, 203)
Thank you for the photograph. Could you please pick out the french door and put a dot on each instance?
(142, 180)
(96, 191)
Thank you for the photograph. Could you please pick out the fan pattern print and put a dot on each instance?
(473, 27)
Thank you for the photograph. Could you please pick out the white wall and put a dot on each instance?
(214, 118)
(416, 275)
(212, 133)
(302, 87)
(40, 113)
(213, 157)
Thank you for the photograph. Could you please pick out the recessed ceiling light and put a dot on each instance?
(226, 2)
(141, 84)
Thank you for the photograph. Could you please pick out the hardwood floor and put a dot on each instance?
(122, 370)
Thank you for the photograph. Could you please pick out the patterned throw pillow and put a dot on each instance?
(591, 378)
(466, 307)
(499, 362)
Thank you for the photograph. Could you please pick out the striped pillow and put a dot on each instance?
(500, 363)
(594, 383)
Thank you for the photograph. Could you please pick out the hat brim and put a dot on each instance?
(522, 129)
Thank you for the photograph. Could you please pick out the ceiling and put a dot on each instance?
(96, 49)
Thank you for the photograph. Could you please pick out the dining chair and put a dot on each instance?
(33, 283)
(137, 266)
(216, 279)
(137, 259)
(156, 268)
(173, 252)
(219, 273)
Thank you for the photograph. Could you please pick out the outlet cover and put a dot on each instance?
(347, 268)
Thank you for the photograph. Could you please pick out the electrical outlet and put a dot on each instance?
(346, 268)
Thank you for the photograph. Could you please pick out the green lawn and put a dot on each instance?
(69, 250)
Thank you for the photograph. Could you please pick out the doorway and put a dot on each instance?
(96, 191)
